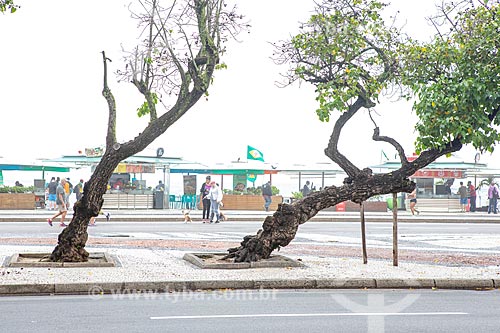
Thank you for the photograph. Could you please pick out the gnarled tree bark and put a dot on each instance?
(325, 56)
(212, 21)
(72, 240)
(280, 229)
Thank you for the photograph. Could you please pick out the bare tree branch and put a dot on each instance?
(332, 149)
(106, 92)
(377, 137)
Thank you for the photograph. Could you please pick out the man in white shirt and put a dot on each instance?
(215, 196)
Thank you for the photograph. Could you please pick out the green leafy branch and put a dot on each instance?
(144, 108)
(8, 6)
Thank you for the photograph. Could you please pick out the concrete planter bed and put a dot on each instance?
(215, 261)
(17, 201)
(370, 206)
(98, 259)
(249, 202)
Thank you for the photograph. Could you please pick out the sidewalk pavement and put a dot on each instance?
(160, 267)
(176, 215)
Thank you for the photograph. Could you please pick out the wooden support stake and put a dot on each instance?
(394, 229)
(363, 233)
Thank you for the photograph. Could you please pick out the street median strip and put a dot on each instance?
(101, 288)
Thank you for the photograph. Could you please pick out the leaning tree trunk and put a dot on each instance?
(191, 76)
(279, 229)
(72, 240)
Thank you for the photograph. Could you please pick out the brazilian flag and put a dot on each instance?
(254, 154)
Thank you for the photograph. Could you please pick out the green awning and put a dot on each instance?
(26, 167)
(434, 165)
(236, 172)
(136, 159)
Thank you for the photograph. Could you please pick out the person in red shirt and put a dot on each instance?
(472, 196)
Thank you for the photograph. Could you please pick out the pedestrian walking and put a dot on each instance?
(92, 219)
(413, 202)
(493, 195)
(215, 196)
(267, 193)
(205, 200)
(52, 186)
(68, 189)
(61, 204)
(472, 196)
(160, 187)
(306, 189)
(78, 189)
(462, 191)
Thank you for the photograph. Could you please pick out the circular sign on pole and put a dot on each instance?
(252, 177)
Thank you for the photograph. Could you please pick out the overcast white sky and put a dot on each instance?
(51, 82)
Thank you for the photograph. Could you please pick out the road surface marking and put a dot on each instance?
(340, 314)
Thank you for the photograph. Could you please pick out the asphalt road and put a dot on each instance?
(257, 311)
(463, 237)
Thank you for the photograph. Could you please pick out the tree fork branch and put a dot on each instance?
(106, 92)
(332, 150)
(429, 156)
(280, 229)
(377, 137)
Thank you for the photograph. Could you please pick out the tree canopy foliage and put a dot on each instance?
(181, 46)
(8, 6)
(348, 52)
(456, 77)
(177, 53)
(352, 56)
(345, 50)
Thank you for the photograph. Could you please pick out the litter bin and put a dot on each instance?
(158, 200)
(340, 207)
(401, 201)
(389, 203)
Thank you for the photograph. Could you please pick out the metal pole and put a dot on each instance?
(475, 174)
(300, 181)
(166, 183)
(165, 201)
(363, 233)
(394, 229)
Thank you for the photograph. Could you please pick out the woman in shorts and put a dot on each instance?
(413, 202)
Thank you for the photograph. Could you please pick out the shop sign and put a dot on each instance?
(439, 174)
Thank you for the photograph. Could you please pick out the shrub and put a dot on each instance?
(17, 189)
